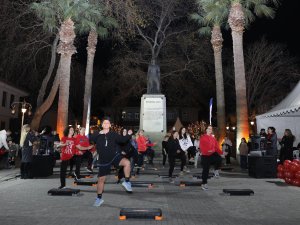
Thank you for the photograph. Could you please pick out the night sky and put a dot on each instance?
(284, 28)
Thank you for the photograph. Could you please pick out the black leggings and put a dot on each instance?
(63, 170)
(182, 157)
(78, 160)
(191, 152)
(164, 157)
(208, 160)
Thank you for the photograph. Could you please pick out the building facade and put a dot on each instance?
(8, 95)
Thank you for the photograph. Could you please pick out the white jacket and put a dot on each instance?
(3, 138)
(185, 143)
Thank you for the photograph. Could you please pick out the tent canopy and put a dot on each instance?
(285, 115)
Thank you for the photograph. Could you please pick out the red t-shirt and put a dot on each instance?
(82, 141)
(67, 151)
(142, 143)
(209, 145)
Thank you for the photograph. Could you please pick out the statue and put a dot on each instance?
(153, 79)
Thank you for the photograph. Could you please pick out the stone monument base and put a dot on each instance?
(153, 117)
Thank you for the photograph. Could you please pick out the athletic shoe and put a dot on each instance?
(89, 170)
(76, 177)
(62, 187)
(98, 202)
(171, 181)
(127, 186)
(181, 173)
(216, 174)
(186, 170)
(204, 187)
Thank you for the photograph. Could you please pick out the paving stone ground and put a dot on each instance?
(26, 202)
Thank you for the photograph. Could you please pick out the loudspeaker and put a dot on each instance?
(258, 143)
(262, 166)
(255, 143)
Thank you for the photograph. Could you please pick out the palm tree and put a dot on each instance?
(240, 15)
(214, 14)
(61, 14)
(96, 25)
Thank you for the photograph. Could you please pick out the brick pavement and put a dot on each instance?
(26, 202)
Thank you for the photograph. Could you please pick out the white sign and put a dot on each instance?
(153, 115)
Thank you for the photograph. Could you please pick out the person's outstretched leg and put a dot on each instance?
(164, 158)
(100, 187)
(126, 167)
(205, 160)
(183, 160)
(216, 159)
(72, 160)
(63, 170)
(171, 168)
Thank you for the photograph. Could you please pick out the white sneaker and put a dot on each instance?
(216, 174)
(171, 181)
(181, 173)
(127, 186)
(204, 187)
(187, 170)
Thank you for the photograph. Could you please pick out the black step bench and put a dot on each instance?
(238, 191)
(141, 213)
(85, 182)
(148, 185)
(189, 183)
(199, 175)
(63, 191)
(81, 176)
(167, 176)
(226, 168)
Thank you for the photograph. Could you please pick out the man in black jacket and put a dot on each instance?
(107, 148)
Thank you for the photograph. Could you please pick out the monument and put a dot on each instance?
(153, 119)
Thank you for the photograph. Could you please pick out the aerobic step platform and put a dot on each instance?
(85, 182)
(64, 191)
(189, 183)
(167, 176)
(226, 168)
(85, 175)
(141, 213)
(238, 191)
(199, 175)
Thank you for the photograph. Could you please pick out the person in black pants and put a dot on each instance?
(164, 149)
(28, 138)
(174, 151)
(67, 145)
(211, 154)
(107, 142)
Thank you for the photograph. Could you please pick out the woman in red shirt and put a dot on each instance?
(211, 154)
(67, 151)
(142, 143)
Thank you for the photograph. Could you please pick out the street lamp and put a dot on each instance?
(25, 106)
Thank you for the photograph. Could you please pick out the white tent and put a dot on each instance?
(285, 115)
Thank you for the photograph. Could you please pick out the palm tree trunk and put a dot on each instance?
(66, 49)
(91, 49)
(43, 88)
(217, 41)
(39, 113)
(236, 22)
